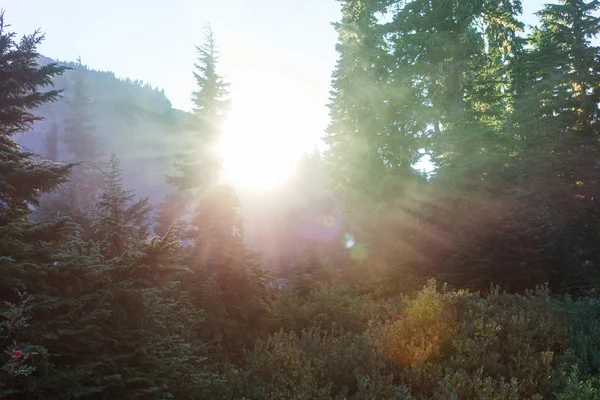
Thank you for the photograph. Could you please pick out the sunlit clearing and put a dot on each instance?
(265, 135)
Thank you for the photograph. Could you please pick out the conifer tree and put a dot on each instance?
(200, 167)
(433, 79)
(212, 207)
(147, 345)
(217, 254)
(84, 328)
(169, 213)
(555, 117)
(83, 145)
(26, 247)
(467, 49)
(122, 223)
(79, 126)
(376, 131)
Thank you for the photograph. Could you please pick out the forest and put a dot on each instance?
(130, 270)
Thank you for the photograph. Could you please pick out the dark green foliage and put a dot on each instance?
(510, 123)
(122, 223)
(316, 364)
(576, 388)
(92, 329)
(439, 344)
(26, 247)
(20, 81)
(584, 335)
(329, 308)
(233, 294)
(151, 349)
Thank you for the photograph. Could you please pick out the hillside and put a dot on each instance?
(131, 118)
(138, 123)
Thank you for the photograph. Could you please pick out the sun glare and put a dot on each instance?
(261, 143)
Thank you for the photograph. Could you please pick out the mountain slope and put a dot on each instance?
(131, 118)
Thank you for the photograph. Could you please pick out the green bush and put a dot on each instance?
(433, 344)
(576, 388)
(330, 308)
(316, 365)
(455, 344)
(584, 334)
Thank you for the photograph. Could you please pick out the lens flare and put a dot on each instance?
(349, 241)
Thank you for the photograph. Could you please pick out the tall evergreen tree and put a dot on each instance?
(122, 222)
(428, 77)
(555, 117)
(376, 131)
(83, 145)
(200, 167)
(227, 282)
(79, 126)
(170, 213)
(198, 174)
(26, 247)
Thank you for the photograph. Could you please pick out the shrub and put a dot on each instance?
(330, 308)
(576, 388)
(316, 365)
(460, 345)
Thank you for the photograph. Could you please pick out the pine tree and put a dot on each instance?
(469, 91)
(91, 330)
(427, 77)
(147, 346)
(170, 212)
(79, 127)
(200, 168)
(516, 169)
(83, 145)
(555, 116)
(122, 222)
(26, 247)
(217, 252)
(212, 208)
(356, 97)
(377, 128)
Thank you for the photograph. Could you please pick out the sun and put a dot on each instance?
(260, 146)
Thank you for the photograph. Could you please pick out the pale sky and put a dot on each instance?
(278, 54)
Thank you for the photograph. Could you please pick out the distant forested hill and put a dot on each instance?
(130, 117)
(139, 124)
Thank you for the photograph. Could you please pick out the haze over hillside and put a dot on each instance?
(130, 117)
(137, 122)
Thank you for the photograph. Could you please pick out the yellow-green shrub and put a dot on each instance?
(456, 345)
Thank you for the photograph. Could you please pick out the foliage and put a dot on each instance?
(436, 344)
(95, 307)
(331, 308)
(458, 344)
(316, 364)
(122, 222)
